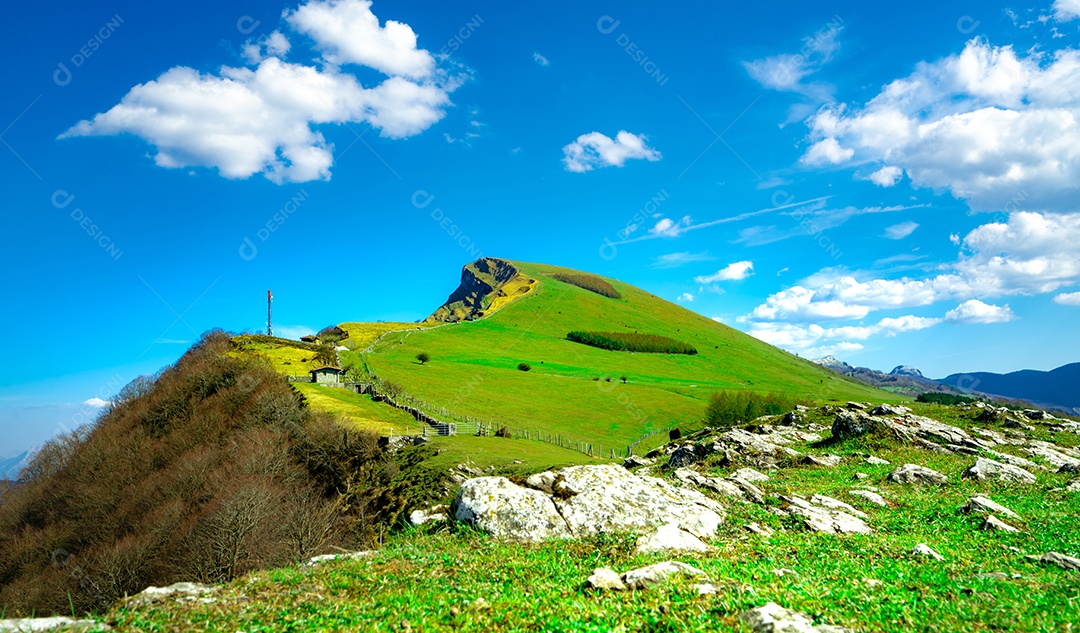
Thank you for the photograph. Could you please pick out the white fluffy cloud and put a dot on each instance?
(816, 340)
(886, 176)
(975, 311)
(686, 296)
(249, 120)
(593, 150)
(1031, 253)
(96, 402)
(347, 32)
(1065, 10)
(827, 151)
(992, 127)
(1068, 299)
(540, 59)
(900, 231)
(732, 272)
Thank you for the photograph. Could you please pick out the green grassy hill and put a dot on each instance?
(474, 364)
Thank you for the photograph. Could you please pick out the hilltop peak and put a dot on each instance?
(906, 370)
(486, 285)
(833, 363)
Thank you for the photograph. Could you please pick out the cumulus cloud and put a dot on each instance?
(732, 272)
(96, 402)
(1031, 253)
(827, 151)
(990, 126)
(259, 119)
(1065, 10)
(272, 45)
(975, 311)
(593, 150)
(813, 339)
(686, 296)
(347, 32)
(540, 59)
(886, 176)
(1068, 299)
(900, 231)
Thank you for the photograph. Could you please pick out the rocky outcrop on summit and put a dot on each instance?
(486, 285)
(584, 500)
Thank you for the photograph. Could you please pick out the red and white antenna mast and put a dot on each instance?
(269, 313)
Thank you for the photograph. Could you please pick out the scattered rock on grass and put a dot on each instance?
(634, 461)
(915, 474)
(645, 577)
(772, 618)
(985, 469)
(1070, 563)
(183, 591)
(506, 510)
(994, 524)
(981, 504)
(836, 504)
(605, 579)
(750, 475)
(68, 625)
(434, 514)
(606, 498)
(669, 538)
(822, 460)
(870, 496)
(760, 530)
(922, 549)
(824, 519)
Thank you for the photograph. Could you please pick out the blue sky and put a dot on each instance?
(891, 187)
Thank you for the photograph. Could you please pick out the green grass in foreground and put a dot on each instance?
(432, 578)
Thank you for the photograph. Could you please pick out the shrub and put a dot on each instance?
(943, 398)
(623, 379)
(524, 366)
(632, 342)
(728, 408)
(423, 357)
(210, 469)
(502, 432)
(591, 283)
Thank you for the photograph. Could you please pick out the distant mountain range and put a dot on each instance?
(1058, 387)
(902, 379)
(10, 466)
